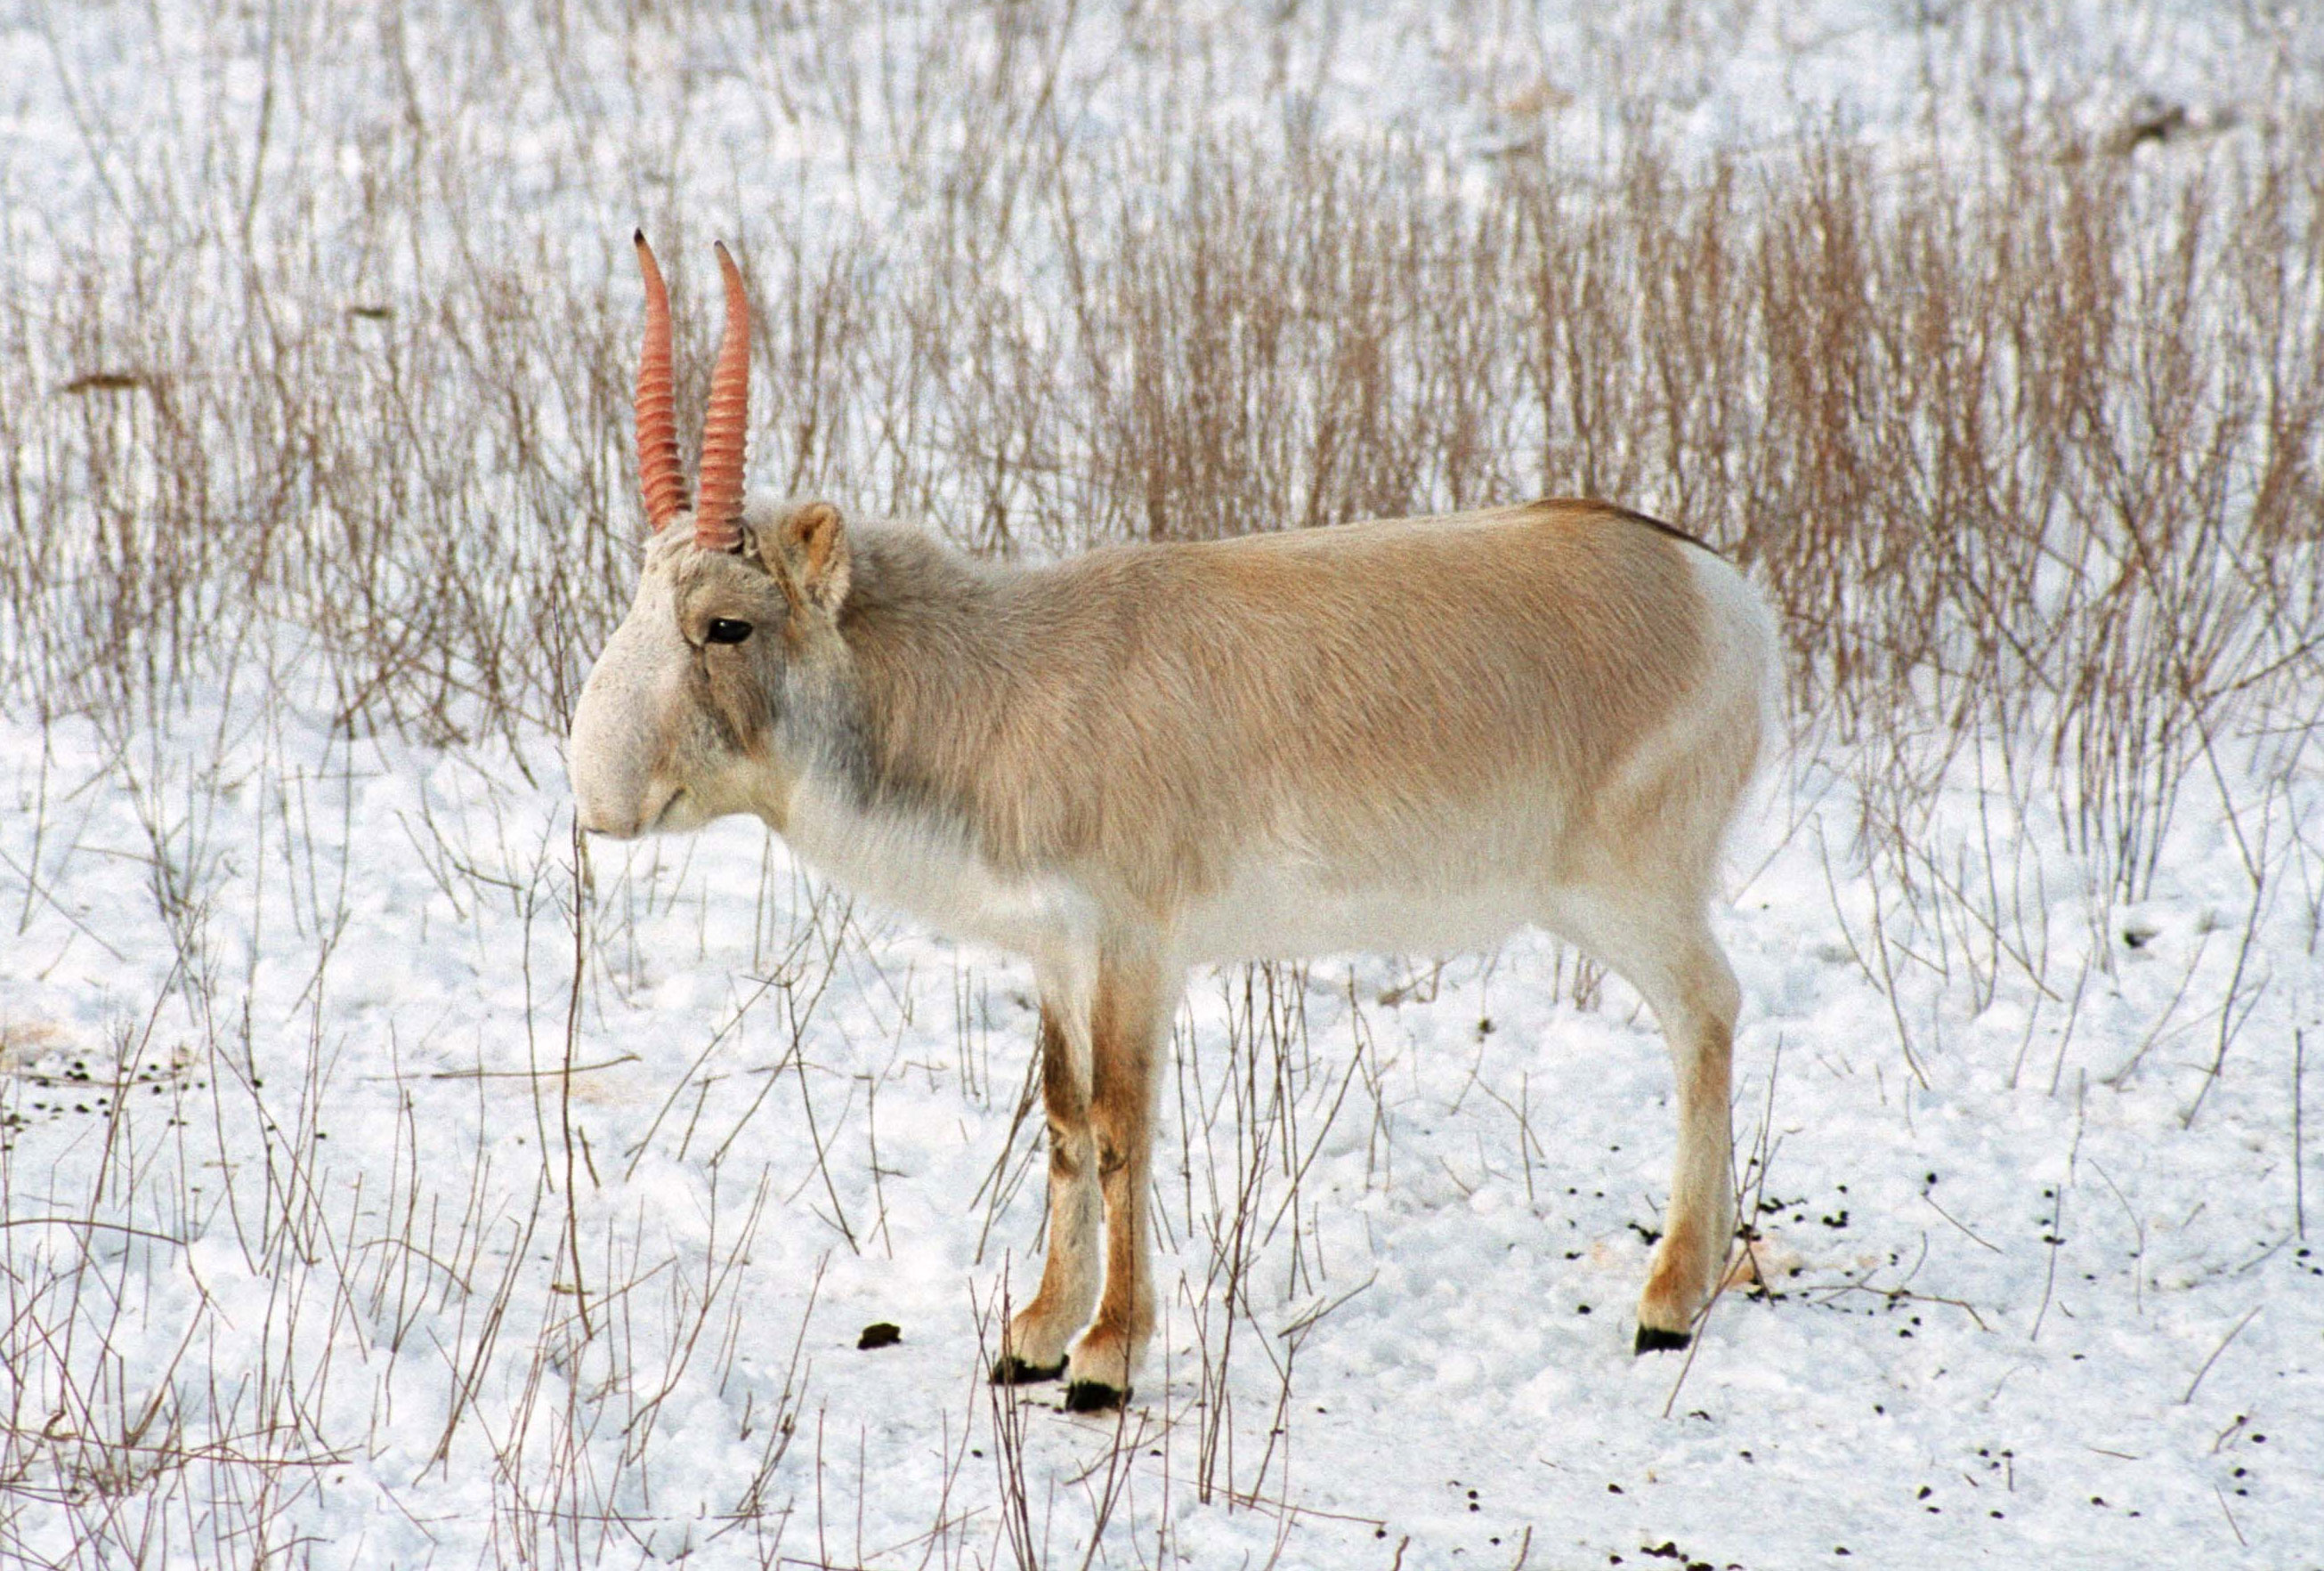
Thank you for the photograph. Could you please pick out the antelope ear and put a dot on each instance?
(810, 554)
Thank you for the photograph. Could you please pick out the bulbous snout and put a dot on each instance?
(616, 753)
(612, 792)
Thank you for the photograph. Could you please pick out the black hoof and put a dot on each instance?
(1011, 1369)
(1653, 1341)
(1094, 1396)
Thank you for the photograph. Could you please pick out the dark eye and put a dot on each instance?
(724, 631)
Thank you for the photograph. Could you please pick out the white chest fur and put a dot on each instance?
(927, 871)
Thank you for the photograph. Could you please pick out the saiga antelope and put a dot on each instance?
(1415, 734)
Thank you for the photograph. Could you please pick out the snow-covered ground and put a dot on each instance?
(344, 1226)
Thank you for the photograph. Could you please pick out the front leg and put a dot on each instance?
(1129, 1022)
(1034, 1348)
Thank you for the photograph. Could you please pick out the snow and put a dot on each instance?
(314, 1250)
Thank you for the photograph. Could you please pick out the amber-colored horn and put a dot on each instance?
(660, 474)
(718, 521)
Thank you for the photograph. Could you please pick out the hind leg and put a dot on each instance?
(1698, 1015)
(1665, 950)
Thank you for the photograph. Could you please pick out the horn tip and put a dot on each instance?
(638, 236)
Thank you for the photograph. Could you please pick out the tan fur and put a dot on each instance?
(1142, 712)
(1418, 731)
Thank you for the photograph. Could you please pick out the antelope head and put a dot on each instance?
(737, 609)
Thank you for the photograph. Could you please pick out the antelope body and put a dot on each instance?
(1413, 733)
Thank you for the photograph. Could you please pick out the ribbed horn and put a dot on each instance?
(660, 474)
(718, 521)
